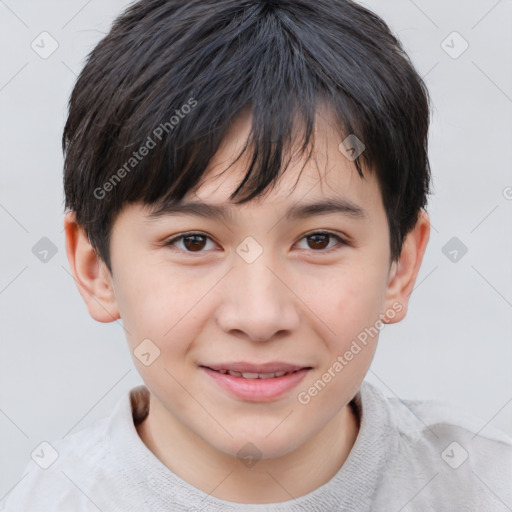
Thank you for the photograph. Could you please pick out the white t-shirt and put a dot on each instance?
(408, 456)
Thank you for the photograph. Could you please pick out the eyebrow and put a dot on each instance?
(295, 212)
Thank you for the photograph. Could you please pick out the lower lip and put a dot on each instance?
(257, 390)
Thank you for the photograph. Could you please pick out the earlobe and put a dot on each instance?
(404, 272)
(91, 276)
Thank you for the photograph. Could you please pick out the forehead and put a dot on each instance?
(327, 174)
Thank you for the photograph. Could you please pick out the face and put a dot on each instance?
(259, 290)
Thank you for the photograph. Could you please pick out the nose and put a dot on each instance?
(257, 302)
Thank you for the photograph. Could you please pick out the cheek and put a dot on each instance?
(344, 299)
(349, 343)
(158, 306)
(167, 312)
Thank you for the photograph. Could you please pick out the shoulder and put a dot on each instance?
(437, 425)
(444, 456)
(52, 478)
(78, 472)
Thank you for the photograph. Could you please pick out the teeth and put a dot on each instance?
(250, 375)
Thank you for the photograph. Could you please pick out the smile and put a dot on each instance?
(256, 386)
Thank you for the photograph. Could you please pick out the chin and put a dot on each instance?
(255, 443)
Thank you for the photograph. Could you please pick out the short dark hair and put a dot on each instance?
(171, 75)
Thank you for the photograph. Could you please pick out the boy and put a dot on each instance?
(253, 322)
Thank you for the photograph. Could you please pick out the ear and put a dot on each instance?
(91, 275)
(402, 274)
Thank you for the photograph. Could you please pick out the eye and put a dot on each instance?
(319, 240)
(192, 242)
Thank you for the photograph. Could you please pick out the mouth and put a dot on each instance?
(256, 383)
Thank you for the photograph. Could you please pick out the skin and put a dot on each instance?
(299, 303)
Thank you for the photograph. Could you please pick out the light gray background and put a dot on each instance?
(60, 370)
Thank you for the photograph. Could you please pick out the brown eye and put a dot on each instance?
(191, 242)
(322, 241)
(318, 241)
(194, 242)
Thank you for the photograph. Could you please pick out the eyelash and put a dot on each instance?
(340, 241)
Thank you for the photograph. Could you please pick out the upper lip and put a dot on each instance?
(243, 367)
